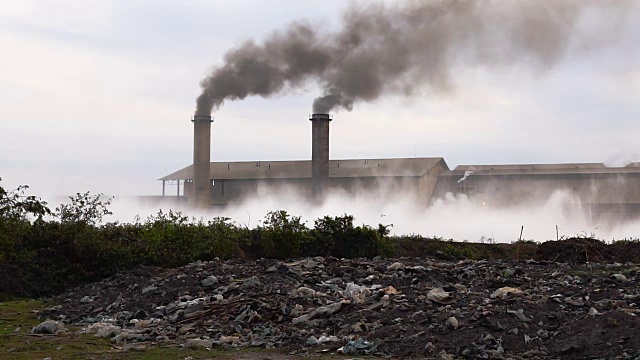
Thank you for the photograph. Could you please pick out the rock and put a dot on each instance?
(50, 327)
(303, 291)
(395, 266)
(389, 290)
(619, 278)
(229, 340)
(453, 322)
(571, 347)
(504, 291)
(140, 315)
(251, 281)
(209, 281)
(296, 311)
(440, 296)
(148, 289)
(593, 312)
(359, 327)
(86, 300)
(429, 347)
(574, 302)
(197, 343)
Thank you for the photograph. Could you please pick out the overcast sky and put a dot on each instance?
(98, 95)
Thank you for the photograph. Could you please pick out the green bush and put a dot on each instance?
(44, 252)
(282, 236)
(172, 239)
(338, 237)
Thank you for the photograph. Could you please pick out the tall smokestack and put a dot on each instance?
(320, 154)
(201, 160)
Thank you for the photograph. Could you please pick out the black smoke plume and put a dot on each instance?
(405, 48)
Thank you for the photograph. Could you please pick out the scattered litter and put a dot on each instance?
(396, 308)
(359, 346)
(102, 329)
(519, 314)
(323, 339)
(49, 327)
(356, 293)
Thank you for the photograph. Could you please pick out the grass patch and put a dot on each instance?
(20, 345)
(20, 315)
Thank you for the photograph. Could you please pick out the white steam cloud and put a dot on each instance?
(453, 217)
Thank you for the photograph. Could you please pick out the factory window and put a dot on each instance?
(218, 189)
(467, 187)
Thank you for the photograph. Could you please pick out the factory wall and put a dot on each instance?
(428, 183)
(599, 194)
(230, 191)
(388, 189)
(510, 189)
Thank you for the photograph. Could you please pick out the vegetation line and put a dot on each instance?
(44, 252)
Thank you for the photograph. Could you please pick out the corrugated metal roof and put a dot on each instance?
(539, 169)
(302, 169)
(531, 166)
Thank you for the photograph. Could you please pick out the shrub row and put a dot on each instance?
(44, 252)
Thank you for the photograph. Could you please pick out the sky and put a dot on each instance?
(98, 95)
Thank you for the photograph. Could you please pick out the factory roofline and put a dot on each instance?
(296, 169)
(542, 169)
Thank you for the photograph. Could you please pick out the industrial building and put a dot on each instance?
(601, 189)
(233, 181)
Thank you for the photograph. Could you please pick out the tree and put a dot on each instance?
(14, 204)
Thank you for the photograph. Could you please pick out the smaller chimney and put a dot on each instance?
(201, 160)
(320, 154)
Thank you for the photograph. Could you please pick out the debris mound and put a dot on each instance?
(576, 250)
(398, 308)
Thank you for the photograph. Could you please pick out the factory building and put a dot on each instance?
(610, 191)
(233, 181)
(601, 190)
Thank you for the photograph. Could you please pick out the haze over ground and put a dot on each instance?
(98, 96)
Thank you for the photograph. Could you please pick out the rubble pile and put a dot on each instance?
(394, 307)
